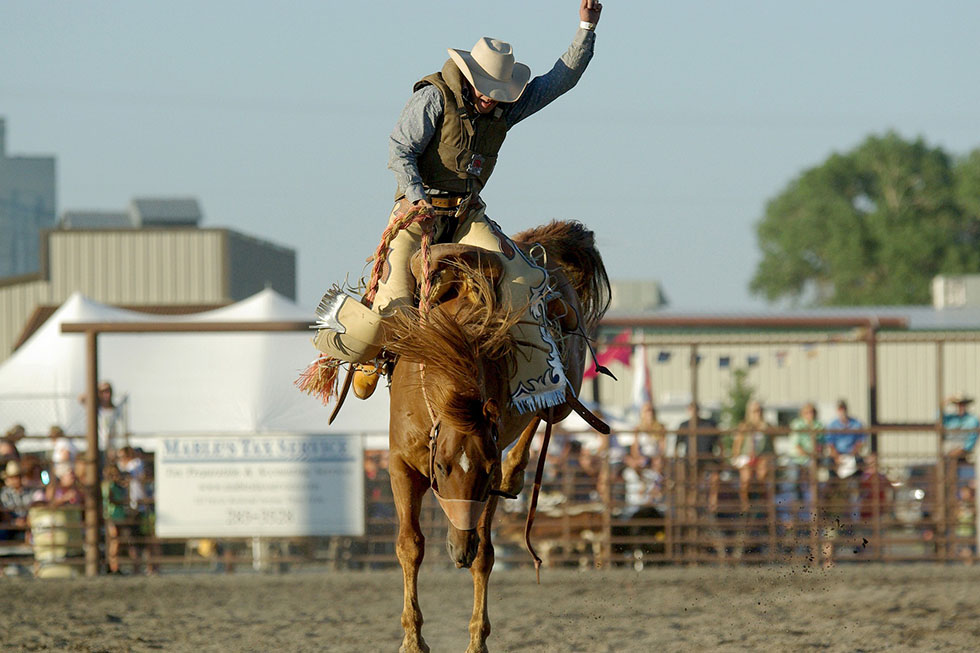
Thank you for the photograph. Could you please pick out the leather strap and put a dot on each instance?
(343, 394)
(533, 508)
(584, 412)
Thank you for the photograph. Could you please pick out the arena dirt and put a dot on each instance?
(846, 608)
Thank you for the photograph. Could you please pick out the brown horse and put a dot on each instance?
(453, 370)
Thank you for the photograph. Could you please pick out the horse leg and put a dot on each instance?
(516, 461)
(481, 568)
(408, 488)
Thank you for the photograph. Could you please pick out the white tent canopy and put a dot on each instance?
(187, 383)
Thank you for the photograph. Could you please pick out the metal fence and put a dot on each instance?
(910, 500)
(696, 510)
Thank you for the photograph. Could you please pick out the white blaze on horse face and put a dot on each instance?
(464, 462)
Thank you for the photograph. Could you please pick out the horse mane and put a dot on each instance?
(457, 340)
(571, 245)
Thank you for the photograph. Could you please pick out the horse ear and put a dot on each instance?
(491, 410)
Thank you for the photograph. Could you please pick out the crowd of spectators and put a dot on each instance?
(52, 477)
(813, 472)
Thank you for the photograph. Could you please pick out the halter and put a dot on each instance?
(463, 514)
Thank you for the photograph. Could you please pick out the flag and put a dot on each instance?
(724, 361)
(663, 356)
(752, 360)
(642, 383)
(618, 350)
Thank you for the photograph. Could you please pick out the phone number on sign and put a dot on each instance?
(236, 517)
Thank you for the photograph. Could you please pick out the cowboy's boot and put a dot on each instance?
(347, 329)
(365, 380)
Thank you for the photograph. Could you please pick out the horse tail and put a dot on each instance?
(571, 245)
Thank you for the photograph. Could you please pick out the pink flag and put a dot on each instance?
(618, 350)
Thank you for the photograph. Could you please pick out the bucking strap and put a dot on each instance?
(583, 412)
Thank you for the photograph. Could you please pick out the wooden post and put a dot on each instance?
(815, 499)
(872, 353)
(941, 532)
(93, 471)
(693, 530)
(605, 550)
(976, 499)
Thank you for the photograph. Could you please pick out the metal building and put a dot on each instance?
(152, 266)
(27, 205)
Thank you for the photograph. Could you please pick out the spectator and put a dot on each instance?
(580, 473)
(962, 442)
(708, 448)
(644, 483)
(64, 491)
(651, 435)
(112, 434)
(33, 475)
(966, 523)
(8, 451)
(16, 433)
(63, 452)
(875, 489)
(115, 505)
(805, 438)
(131, 465)
(705, 444)
(843, 448)
(752, 450)
(15, 500)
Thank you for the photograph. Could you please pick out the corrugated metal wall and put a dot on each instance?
(17, 302)
(151, 266)
(785, 376)
(255, 264)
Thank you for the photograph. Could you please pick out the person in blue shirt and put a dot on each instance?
(843, 448)
(959, 421)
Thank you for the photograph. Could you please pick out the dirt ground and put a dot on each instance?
(846, 608)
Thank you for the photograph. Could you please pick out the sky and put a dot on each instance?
(276, 116)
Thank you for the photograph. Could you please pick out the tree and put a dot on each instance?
(733, 410)
(739, 395)
(872, 226)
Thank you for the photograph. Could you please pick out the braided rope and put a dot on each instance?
(319, 379)
(415, 215)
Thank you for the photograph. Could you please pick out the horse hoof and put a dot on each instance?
(414, 647)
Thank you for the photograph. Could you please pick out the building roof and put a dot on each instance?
(147, 211)
(96, 220)
(914, 318)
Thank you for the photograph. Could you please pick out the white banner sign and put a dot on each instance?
(275, 486)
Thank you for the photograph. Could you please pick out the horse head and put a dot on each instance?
(463, 348)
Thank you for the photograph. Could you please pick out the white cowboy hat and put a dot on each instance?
(490, 67)
(960, 398)
(12, 469)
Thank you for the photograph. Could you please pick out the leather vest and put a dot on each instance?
(463, 152)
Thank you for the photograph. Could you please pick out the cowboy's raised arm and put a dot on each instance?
(415, 128)
(544, 89)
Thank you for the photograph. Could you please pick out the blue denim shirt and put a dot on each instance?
(845, 443)
(966, 421)
(420, 117)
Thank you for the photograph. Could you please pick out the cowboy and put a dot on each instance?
(962, 440)
(442, 151)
